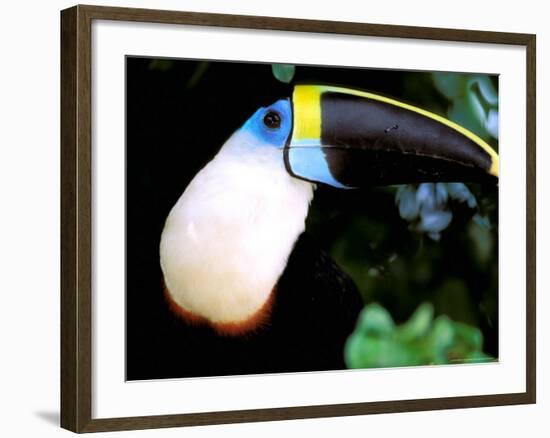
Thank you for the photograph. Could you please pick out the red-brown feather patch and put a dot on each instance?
(248, 326)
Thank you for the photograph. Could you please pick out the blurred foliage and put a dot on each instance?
(426, 206)
(422, 340)
(473, 101)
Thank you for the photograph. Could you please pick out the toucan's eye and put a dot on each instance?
(272, 120)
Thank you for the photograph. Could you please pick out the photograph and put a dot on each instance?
(287, 218)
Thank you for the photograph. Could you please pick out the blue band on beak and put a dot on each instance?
(308, 161)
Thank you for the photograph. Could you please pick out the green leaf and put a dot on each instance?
(466, 112)
(442, 339)
(470, 336)
(419, 323)
(374, 320)
(378, 353)
(476, 107)
(473, 101)
(451, 85)
(283, 72)
(486, 89)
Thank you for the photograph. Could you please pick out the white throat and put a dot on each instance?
(227, 240)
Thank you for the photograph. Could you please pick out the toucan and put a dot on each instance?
(252, 292)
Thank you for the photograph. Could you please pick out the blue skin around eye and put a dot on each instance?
(306, 160)
(269, 136)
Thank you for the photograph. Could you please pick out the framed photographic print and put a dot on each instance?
(324, 218)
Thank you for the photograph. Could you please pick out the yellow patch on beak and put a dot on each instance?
(307, 113)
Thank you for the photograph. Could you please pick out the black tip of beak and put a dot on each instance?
(366, 167)
(370, 142)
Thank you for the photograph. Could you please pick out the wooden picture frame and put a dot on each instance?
(76, 217)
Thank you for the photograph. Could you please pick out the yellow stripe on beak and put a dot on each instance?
(307, 121)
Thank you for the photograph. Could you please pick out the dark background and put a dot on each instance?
(180, 112)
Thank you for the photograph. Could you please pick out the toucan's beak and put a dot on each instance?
(348, 139)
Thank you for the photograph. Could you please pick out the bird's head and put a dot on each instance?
(347, 138)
